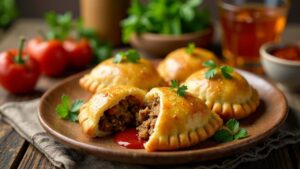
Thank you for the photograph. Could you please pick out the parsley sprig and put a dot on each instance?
(190, 48)
(181, 90)
(230, 132)
(212, 71)
(130, 56)
(66, 110)
(167, 17)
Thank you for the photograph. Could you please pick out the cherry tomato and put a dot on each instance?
(19, 72)
(79, 52)
(51, 55)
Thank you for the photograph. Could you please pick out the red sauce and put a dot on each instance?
(129, 139)
(290, 52)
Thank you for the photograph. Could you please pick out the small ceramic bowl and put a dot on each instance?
(285, 72)
(157, 45)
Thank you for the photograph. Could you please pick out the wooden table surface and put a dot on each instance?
(15, 152)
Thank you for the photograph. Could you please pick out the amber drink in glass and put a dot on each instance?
(246, 25)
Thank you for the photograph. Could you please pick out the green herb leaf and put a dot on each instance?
(190, 48)
(226, 71)
(242, 133)
(164, 17)
(76, 105)
(59, 25)
(181, 90)
(73, 116)
(210, 64)
(174, 84)
(231, 131)
(63, 108)
(223, 135)
(233, 125)
(65, 111)
(130, 56)
(210, 73)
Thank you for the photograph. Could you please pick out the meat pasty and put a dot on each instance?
(111, 110)
(229, 97)
(170, 122)
(108, 73)
(180, 64)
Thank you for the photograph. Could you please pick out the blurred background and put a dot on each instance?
(37, 8)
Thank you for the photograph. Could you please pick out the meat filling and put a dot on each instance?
(146, 119)
(120, 116)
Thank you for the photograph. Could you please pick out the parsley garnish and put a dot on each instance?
(130, 56)
(181, 90)
(212, 71)
(190, 48)
(230, 132)
(67, 111)
(165, 17)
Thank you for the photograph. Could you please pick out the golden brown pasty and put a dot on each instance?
(170, 122)
(230, 98)
(141, 74)
(179, 64)
(111, 110)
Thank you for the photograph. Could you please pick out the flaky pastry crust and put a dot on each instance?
(178, 65)
(142, 75)
(91, 112)
(181, 122)
(230, 98)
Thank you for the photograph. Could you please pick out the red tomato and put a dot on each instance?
(79, 52)
(51, 55)
(18, 78)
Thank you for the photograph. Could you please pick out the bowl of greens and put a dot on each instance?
(161, 26)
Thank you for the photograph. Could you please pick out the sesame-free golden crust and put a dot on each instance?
(181, 122)
(142, 75)
(178, 65)
(230, 98)
(91, 112)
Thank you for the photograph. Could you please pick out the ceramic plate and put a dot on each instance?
(270, 114)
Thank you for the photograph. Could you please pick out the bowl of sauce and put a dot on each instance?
(281, 62)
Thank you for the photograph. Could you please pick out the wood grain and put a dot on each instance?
(35, 159)
(12, 146)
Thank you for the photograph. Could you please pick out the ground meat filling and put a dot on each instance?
(120, 116)
(146, 119)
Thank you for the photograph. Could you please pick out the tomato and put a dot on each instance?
(79, 52)
(51, 55)
(19, 72)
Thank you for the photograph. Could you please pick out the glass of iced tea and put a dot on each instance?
(246, 25)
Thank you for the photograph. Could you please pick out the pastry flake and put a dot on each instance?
(180, 64)
(171, 122)
(110, 110)
(229, 97)
(141, 74)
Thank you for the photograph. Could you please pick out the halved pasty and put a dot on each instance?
(111, 110)
(170, 122)
(141, 74)
(229, 97)
(179, 64)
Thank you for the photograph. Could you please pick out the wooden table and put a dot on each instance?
(15, 152)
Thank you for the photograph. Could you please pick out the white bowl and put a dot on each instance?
(285, 72)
